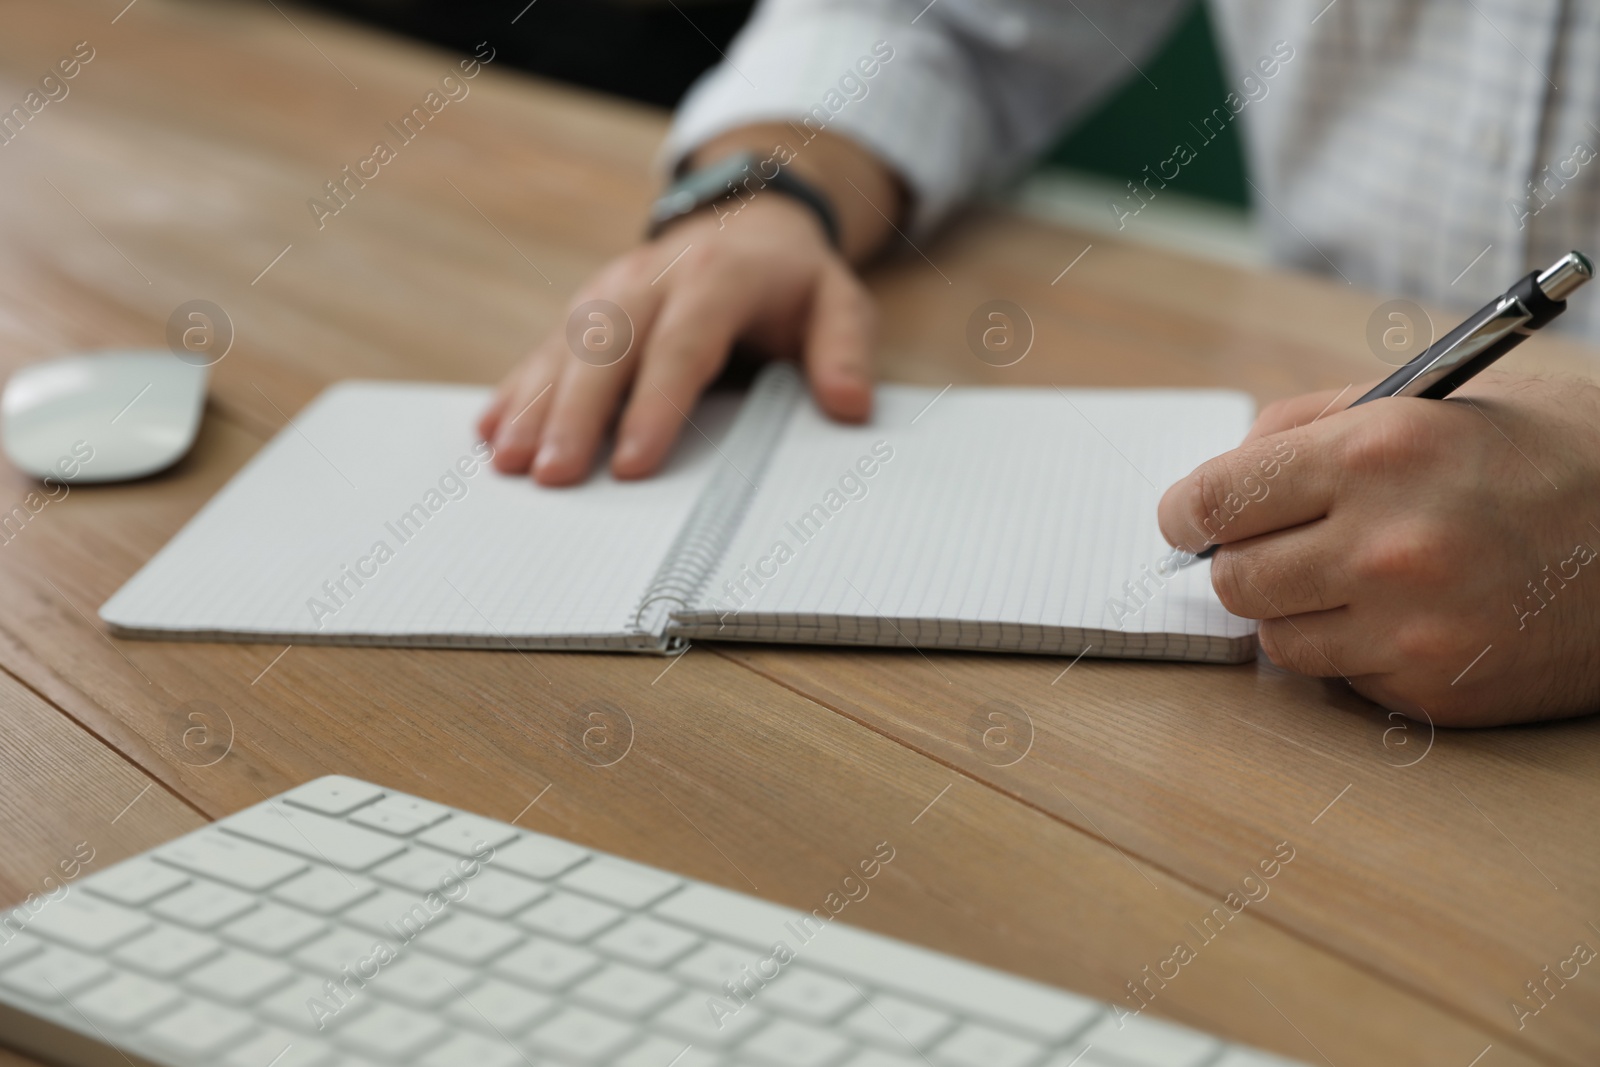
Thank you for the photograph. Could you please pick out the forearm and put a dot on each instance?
(867, 198)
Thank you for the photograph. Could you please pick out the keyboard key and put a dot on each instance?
(54, 974)
(546, 965)
(647, 942)
(316, 837)
(569, 917)
(231, 860)
(468, 835)
(812, 995)
(581, 1034)
(324, 890)
(717, 963)
(626, 991)
(80, 921)
(239, 977)
(878, 1058)
(470, 939)
(273, 929)
(473, 1050)
(1148, 1041)
(127, 1000)
(167, 951)
(981, 1046)
(199, 1029)
(15, 947)
(331, 953)
(621, 882)
(308, 1007)
(203, 905)
(664, 1051)
(791, 1044)
(422, 981)
(333, 795)
(494, 1006)
(390, 913)
(419, 870)
(273, 1047)
(501, 895)
(389, 1033)
(892, 1022)
(400, 815)
(538, 856)
(136, 882)
(711, 1022)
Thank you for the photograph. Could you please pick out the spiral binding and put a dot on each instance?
(704, 538)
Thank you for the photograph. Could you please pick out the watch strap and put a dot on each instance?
(741, 175)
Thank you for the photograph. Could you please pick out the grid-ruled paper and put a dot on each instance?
(1005, 518)
(472, 559)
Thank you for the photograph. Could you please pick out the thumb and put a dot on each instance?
(838, 344)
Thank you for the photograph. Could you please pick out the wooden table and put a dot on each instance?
(1433, 875)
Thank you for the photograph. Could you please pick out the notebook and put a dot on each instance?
(1009, 519)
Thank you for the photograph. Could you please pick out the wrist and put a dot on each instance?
(867, 199)
(766, 213)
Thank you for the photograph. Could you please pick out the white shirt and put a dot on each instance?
(1435, 148)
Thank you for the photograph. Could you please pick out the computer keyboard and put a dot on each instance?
(342, 924)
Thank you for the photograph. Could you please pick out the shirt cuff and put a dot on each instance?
(910, 98)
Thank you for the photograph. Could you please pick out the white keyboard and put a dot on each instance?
(345, 925)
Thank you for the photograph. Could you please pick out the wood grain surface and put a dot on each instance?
(1432, 874)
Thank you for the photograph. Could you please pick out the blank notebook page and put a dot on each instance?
(1010, 507)
(488, 557)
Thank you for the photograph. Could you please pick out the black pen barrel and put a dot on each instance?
(1533, 300)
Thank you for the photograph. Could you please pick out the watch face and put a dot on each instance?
(676, 202)
(702, 187)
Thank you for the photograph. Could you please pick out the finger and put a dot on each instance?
(586, 397)
(1322, 644)
(519, 419)
(1285, 573)
(1269, 484)
(489, 421)
(689, 344)
(838, 345)
(1302, 410)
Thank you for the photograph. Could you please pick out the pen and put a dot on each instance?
(1499, 326)
(1495, 329)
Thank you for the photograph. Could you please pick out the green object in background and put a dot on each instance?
(1139, 124)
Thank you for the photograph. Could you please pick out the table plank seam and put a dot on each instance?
(21, 678)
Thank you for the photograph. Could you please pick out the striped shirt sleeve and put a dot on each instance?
(952, 95)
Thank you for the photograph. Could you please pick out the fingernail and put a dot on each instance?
(628, 451)
(549, 456)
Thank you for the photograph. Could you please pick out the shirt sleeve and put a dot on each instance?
(953, 94)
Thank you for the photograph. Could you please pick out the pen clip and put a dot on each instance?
(1507, 315)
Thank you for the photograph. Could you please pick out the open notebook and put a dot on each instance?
(1016, 520)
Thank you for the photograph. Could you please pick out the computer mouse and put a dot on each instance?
(102, 416)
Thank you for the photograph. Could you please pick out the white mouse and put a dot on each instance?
(103, 416)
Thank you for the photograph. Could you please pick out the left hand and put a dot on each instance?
(1443, 557)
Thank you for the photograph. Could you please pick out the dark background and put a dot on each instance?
(652, 50)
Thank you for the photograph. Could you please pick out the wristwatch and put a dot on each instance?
(742, 175)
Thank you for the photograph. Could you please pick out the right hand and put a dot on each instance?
(765, 276)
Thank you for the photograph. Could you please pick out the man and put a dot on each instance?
(1441, 557)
